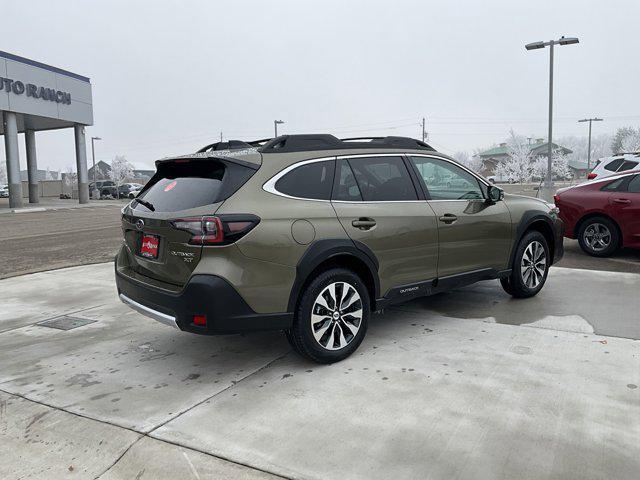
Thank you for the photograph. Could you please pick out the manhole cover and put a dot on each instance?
(66, 322)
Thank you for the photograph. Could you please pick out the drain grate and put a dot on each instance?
(65, 322)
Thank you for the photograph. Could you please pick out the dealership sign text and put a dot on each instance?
(31, 90)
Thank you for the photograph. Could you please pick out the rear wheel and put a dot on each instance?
(332, 317)
(530, 267)
(598, 237)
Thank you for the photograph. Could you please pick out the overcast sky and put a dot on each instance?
(168, 77)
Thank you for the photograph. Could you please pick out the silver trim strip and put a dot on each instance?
(149, 312)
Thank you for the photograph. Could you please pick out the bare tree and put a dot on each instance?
(121, 169)
(559, 165)
(472, 162)
(518, 165)
(631, 142)
(626, 135)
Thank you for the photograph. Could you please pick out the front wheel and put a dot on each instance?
(332, 316)
(530, 267)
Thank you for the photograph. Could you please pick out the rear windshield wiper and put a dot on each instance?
(149, 205)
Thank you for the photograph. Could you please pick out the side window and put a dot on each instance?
(313, 181)
(614, 165)
(627, 165)
(383, 179)
(619, 185)
(634, 185)
(446, 181)
(345, 186)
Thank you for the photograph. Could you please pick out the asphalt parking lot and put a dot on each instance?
(66, 237)
(470, 384)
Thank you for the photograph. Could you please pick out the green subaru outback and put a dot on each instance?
(309, 234)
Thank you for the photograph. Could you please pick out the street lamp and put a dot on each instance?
(275, 126)
(595, 119)
(548, 183)
(93, 155)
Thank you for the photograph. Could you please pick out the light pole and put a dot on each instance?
(93, 156)
(590, 120)
(275, 126)
(548, 182)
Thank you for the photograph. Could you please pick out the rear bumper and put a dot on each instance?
(209, 295)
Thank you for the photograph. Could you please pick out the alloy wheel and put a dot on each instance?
(533, 264)
(597, 237)
(336, 316)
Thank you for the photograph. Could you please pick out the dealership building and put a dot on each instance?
(35, 97)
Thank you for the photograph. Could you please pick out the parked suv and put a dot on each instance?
(309, 234)
(614, 165)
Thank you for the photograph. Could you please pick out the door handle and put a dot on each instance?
(448, 218)
(364, 223)
(624, 201)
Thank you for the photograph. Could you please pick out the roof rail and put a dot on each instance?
(306, 142)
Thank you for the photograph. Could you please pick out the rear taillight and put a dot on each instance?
(216, 230)
(591, 176)
(556, 199)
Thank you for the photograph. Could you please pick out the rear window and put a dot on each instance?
(313, 181)
(183, 185)
(614, 165)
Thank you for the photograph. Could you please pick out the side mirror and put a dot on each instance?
(494, 193)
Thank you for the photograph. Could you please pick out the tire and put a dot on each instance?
(598, 237)
(320, 337)
(530, 266)
(506, 285)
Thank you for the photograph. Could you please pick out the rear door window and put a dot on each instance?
(383, 179)
(345, 187)
(634, 185)
(618, 185)
(312, 181)
(627, 165)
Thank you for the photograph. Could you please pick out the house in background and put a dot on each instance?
(492, 157)
(102, 171)
(578, 169)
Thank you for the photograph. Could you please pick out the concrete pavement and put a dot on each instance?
(469, 384)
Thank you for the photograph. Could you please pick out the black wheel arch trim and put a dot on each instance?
(526, 221)
(322, 250)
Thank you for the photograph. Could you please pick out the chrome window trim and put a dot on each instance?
(270, 185)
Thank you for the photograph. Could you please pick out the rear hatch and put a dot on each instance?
(159, 243)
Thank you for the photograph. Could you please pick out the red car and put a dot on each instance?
(603, 215)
